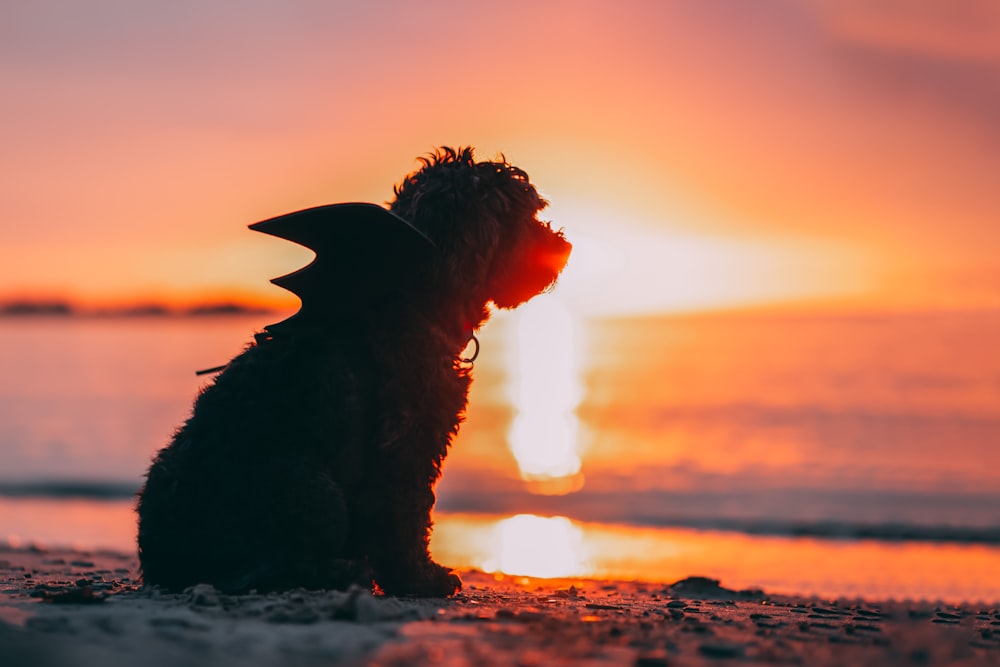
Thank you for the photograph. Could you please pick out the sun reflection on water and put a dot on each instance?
(558, 547)
(536, 546)
(545, 390)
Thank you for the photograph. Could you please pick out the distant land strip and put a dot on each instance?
(66, 309)
(69, 489)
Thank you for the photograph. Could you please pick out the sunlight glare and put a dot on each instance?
(545, 390)
(536, 546)
(655, 264)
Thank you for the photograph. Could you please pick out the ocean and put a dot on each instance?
(811, 453)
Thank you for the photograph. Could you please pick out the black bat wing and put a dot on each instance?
(363, 252)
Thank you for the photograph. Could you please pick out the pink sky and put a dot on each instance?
(704, 153)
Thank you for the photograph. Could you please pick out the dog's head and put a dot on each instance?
(483, 217)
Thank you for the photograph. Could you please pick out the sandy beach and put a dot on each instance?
(76, 608)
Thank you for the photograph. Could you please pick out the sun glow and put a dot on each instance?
(545, 390)
(654, 264)
(536, 546)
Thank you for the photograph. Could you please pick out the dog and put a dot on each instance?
(311, 459)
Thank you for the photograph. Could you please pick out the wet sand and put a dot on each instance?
(74, 608)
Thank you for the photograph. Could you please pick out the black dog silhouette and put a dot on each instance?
(311, 460)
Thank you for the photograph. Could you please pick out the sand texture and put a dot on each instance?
(72, 608)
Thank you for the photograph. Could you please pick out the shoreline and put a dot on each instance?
(75, 608)
(552, 546)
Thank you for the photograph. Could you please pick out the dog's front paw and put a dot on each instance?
(452, 584)
(434, 581)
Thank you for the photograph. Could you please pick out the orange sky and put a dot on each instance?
(702, 153)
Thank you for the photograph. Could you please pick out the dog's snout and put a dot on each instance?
(556, 256)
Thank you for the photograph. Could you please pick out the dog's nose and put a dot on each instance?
(559, 254)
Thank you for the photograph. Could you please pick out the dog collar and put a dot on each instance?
(265, 336)
(475, 350)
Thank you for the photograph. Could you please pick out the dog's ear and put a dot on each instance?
(363, 253)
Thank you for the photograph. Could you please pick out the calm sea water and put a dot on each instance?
(807, 453)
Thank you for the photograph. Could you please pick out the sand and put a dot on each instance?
(73, 608)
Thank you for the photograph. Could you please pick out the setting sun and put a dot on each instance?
(640, 269)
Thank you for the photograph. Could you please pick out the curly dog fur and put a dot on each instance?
(311, 460)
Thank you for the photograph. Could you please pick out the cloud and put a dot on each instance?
(957, 30)
(939, 55)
